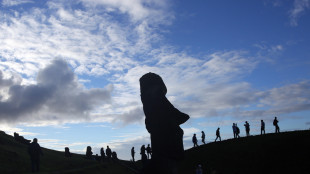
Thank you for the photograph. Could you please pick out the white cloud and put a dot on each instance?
(8, 3)
(299, 8)
(8, 129)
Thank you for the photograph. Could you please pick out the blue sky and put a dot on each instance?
(70, 70)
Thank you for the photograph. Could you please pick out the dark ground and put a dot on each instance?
(287, 152)
(14, 158)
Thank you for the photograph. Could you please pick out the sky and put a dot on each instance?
(69, 70)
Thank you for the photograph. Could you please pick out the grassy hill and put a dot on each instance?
(287, 152)
(14, 158)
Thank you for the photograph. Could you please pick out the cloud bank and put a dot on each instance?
(57, 95)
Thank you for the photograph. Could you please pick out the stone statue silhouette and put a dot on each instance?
(162, 121)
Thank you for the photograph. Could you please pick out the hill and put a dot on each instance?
(14, 158)
(287, 152)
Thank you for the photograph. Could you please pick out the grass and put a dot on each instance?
(14, 158)
(287, 152)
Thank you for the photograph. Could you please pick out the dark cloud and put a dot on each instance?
(57, 95)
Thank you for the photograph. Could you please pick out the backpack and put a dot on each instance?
(238, 130)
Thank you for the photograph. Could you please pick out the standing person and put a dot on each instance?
(262, 127)
(149, 151)
(35, 152)
(218, 135)
(195, 141)
(247, 128)
(108, 151)
(133, 153)
(142, 149)
(237, 131)
(162, 121)
(203, 136)
(102, 153)
(275, 123)
(234, 130)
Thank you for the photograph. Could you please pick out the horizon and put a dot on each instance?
(69, 71)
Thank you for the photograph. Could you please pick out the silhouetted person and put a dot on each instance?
(133, 153)
(203, 137)
(218, 134)
(67, 152)
(35, 152)
(102, 153)
(247, 128)
(237, 131)
(194, 140)
(262, 127)
(142, 150)
(275, 123)
(108, 151)
(162, 121)
(89, 153)
(149, 151)
(234, 130)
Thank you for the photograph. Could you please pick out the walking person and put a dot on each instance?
(275, 123)
(247, 128)
(195, 141)
(262, 127)
(218, 135)
(234, 130)
(237, 131)
(203, 136)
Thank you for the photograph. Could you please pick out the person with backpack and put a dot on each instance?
(275, 123)
(218, 135)
(237, 131)
(234, 129)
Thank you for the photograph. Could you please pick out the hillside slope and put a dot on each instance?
(287, 152)
(14, 158)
